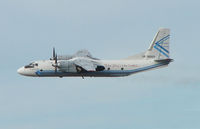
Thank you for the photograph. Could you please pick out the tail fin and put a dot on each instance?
(159, 48)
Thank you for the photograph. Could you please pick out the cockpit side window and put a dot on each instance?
(31, 65)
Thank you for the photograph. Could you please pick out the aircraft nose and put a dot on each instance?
(26, 72)
(20, 71)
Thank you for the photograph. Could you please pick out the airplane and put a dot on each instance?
(82, 64)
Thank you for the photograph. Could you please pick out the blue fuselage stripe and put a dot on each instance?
(100, 73)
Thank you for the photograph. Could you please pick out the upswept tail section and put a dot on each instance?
(159, 48)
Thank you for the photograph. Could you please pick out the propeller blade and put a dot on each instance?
(55, 69)
(54, 53)
(56, 59)
(56, 63)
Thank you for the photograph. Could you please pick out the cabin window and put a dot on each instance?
(108, 68)
(122, 68)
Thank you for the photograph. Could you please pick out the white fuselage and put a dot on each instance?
(113, 68)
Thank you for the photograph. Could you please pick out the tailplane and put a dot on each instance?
(159, 48)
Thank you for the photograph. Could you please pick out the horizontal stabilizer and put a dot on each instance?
(164, 61)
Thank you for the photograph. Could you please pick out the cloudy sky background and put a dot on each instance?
(167, 98)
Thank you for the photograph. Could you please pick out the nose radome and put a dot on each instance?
(26, 72)
(20, 71)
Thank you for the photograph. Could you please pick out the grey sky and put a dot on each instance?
(162, 99)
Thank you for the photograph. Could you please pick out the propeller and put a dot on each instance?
(54, 53)
(56, 63)
(55, 58)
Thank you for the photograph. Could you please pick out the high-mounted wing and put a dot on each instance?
(80, 53)
(83, 53)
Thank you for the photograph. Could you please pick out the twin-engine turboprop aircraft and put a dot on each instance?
(82, 64)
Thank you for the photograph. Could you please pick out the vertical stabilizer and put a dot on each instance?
(159, 48)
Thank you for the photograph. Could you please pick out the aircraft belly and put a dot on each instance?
(105, 73)
(85, 74)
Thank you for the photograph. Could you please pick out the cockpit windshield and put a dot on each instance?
(31, 65)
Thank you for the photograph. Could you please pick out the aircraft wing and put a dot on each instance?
(85, 64)
(84, 53)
